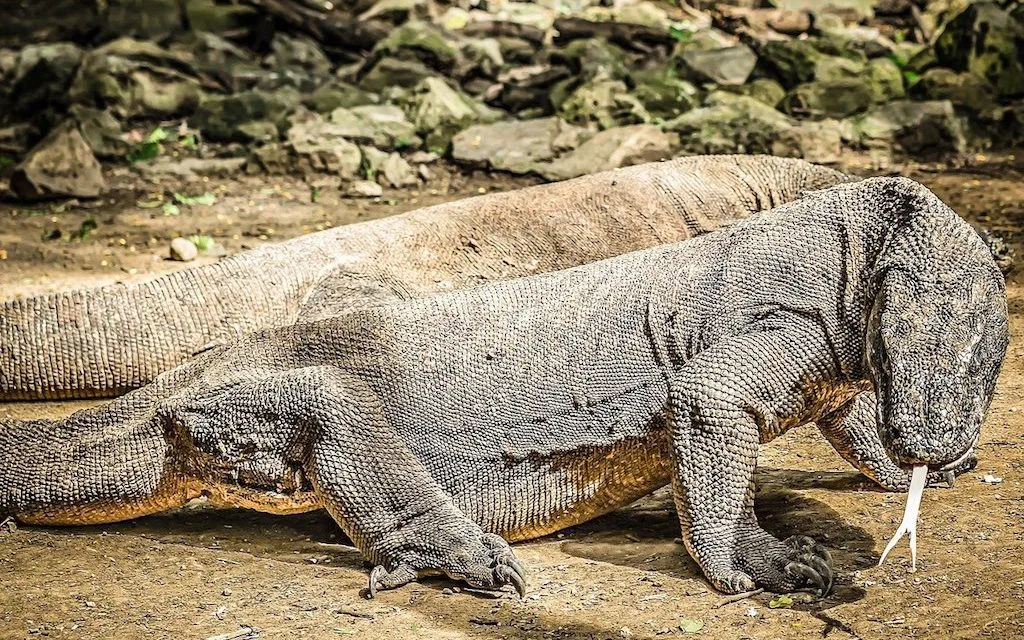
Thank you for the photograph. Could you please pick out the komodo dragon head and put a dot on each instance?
(936, 334)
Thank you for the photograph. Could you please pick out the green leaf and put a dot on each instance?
(171, 209)
(85, 230)
(145, 151)
(205, 199)
(6, 161)
(691, 626)
(782, 602)
(203, 243)
(911, 77)
(189, 141)
(156, 135)
(680, 32)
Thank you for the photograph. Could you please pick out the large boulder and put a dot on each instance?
(229, 118)
(133, 78)
(604, 102)
(517, 147)
(618, 147)
(725, 66)
(62, 165)
(828, 98)
(729, 123)
(383, 126)
(40, 78)
(438, 111)
(663, 94)
(920, 128)
(963, 89)
(988, 42)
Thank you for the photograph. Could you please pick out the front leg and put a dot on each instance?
(853, 433)
(723, 403)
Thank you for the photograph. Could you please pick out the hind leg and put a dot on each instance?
(332, 428)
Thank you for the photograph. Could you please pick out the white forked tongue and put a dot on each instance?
(909, 524)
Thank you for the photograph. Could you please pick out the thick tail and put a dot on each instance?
(102, 342)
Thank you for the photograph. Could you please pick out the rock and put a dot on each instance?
(726, 66)
(819, 142)
(516, 147)
(729, 123)
(885, 80)
(423, 157)
(364, 189)
(62, 165)
(209, 17)
(921, 128)
(643, 13)
(323, 147)
(142, 19)
(101, 131)
(337, 94)
(397, 172)
(481, 58)
(610, 149)
(132, 78)
(383, 126)
(664, 95)
(373, 160)
(271, 158)
(763, 90)
(258, 131)
(828, 98)
(792, 61)
(222, 118)
(192, 167)
(439, 112)
(853, 9)
(591, 57)
(962, 89)
(396, 11)
(419, 41)
(40, 78)
(391, 72)
(526, 14)
(838, 68)
(534, 86)
(183, 250)
(298, 53)
(988, 42)
(604, 102)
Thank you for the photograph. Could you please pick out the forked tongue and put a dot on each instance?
(909, 524)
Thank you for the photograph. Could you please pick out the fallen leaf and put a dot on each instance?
(782, 602)
(690, 626)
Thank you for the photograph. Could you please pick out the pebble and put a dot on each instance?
(183, 250)
(365, 189)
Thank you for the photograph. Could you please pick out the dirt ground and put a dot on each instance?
(201, 572)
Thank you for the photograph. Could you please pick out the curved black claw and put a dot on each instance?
(812, 562)
(504, 566)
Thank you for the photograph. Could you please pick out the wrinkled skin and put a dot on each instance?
(429, 428)
(103, 342)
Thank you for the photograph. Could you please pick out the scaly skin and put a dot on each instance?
(429, 428)
(103, 342)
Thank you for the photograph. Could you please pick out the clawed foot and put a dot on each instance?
(489, 565)
(765, 562)
(811, 562)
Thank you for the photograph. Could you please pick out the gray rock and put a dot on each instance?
(763, 90)
(383, 126)
(143, 19)
(298, 53)
(727, 66)
(618, 147)
(40, 77)
(183, 250)
(222, 118)
(828, 98)
(364, 189)
(857, 9)
(439, 112)
(270, 158)
(422, 41)
(205, 16)
(337, 94)
(819, 142)
(988, 42)
(604, 102)
(517, 146)
(373, 161)
(258, 131)
(885, 80)
(922, 128)
(792, 61)
(591, 57)
(132, 78)
(962, 89)
(391, 72)
(730, 123)
(323, 147)
(664, 95)
(101, 131)
(61, 165)
(397, 172)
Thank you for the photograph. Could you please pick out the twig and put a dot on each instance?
(738, 597)
(355, 614)
(245, 633)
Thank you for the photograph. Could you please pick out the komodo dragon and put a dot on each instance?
(432, 429)
(106, 341)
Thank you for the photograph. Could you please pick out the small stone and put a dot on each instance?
(424, 173)
(61, 165)
(183, 250)
(225, 592)
(726, 66)
(365, 189)
(397, 172)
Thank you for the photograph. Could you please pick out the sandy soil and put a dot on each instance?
(200, 572)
